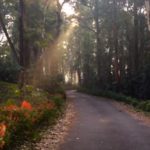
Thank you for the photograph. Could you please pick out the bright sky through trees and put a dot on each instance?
(68, 9)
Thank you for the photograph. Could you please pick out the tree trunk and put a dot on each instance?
(115, 36)
(21, 48)
(147, 5)
(136, 34)
(98, 44)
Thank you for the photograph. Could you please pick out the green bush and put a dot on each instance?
(23, 124)
(52, 84)
(9, 71)
(148, 107)
(23, 128)
(59, 102)
(134, 103)
(142, 105)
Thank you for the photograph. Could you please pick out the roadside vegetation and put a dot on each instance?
(31, 77)
(142, 105)
(21, 120)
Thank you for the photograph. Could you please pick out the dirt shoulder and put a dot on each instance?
(51, 137)
(137, 114)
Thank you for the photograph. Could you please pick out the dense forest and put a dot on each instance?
(104, 44)
(110, 48)
(31, 33)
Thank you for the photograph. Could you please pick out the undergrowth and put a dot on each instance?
(143, 105)
(22, 120)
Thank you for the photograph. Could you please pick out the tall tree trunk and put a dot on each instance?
(21, 32)
(98, 44)
(59, 17)
(110, 56)
(115, 36)
(21, 48)
(136, 34)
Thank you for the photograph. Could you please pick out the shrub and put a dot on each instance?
(9, 71)
(134, 103)
(142, 105)
(148, 107)
(52, 84)
(59, 101)
(20, 120)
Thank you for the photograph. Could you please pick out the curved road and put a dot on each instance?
(99, 125)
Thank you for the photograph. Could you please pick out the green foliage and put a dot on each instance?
(59, 101)
(148, 107)
(25, 124)
(9, 71)
(138, 104)
(142, 105)
(10, 102)
(8, 91)
(25, 129)
(52, 84)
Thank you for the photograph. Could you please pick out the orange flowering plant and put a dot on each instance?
(26, 105)
(25, 117)
(11, 108)
(18, 120)
(2, 130)
(2, 135)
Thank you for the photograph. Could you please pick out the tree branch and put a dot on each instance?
(8, 38)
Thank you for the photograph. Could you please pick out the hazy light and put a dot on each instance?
(74, 23)
(67, 78)
(2, 38)
(68, 9)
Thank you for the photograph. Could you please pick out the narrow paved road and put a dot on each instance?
(99, 125)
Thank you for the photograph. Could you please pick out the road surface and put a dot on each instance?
(99, 125)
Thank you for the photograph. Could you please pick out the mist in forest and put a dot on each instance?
(101, 44)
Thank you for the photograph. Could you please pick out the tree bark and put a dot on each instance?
(21, 49)
(98, 44)
(21, 33)
(115, 36)
(136, 34)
